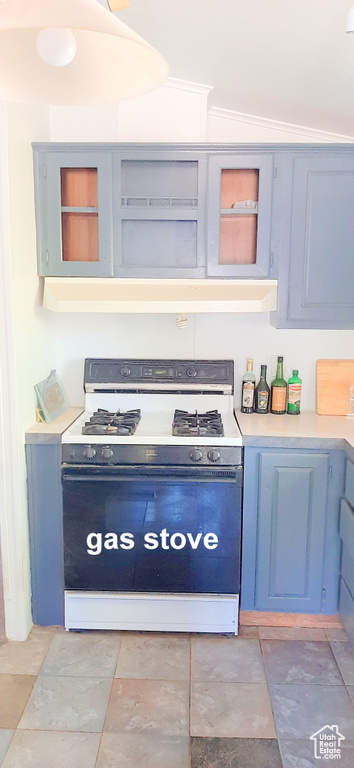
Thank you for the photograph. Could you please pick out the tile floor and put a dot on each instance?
(115, 700)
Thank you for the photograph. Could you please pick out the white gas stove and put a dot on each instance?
(155, 425)
(152, 478)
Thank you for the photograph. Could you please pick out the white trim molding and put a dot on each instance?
(12, 534)
(276, 125)
(185, 85)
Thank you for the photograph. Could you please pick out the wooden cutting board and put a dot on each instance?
(333, 381)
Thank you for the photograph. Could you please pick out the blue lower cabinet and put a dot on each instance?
(291, 540)
(346, 609)
(45, 517)
(346, 529)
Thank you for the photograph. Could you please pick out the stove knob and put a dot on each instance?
(196, 455)
(191, 372)
(213, 455)
(125, 371)
(89, 453)
(107, 453)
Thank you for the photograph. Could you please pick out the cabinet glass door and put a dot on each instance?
(239, 206)
(79, 219)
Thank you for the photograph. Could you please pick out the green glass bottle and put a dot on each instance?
(278, 391)
(294, 393)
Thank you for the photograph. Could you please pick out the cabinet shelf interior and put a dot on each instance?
(159, 180)
(238, 219)
(79, 236)
(79, 214)
(159, 202)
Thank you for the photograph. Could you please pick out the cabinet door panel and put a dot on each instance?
(346, 610)
(239, 210)
(321, 274)
(291, 529)
(76, 214)
(349, 482)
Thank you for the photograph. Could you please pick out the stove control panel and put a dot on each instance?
(158, 455)
(117, 375)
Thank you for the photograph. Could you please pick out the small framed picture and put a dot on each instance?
(51, 398)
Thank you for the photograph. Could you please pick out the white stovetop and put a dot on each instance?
(155, 425)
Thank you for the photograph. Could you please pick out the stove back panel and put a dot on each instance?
(102, 373)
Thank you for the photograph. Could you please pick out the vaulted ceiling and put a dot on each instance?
(288, 60)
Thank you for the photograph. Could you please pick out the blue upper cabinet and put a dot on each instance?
(213, 211)
(74, 213)
(314, 225)
(239, 215)
(159, 213)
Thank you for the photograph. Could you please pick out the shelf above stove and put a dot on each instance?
(73, 294)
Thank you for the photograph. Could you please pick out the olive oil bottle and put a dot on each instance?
(278, 391)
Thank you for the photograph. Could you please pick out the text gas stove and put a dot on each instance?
(152, 495)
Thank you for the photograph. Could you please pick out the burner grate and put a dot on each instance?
(197, 424)
(104, 422)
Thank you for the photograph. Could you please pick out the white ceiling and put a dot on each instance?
(288, 60)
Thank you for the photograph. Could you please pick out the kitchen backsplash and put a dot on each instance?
(230, 336)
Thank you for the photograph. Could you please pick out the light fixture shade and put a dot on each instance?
(112, 62)
(118, 5)
(350, 20)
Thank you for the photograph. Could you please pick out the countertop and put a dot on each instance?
(306, 430)
(43, 432)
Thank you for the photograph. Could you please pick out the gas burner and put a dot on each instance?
(192, 424)
(104, 422)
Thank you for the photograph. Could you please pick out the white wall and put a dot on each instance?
(206, 336)
(176, 113)
(28, 335)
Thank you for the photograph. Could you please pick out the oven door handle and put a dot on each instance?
(154, 474)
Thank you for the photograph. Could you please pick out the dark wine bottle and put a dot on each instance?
(262, 393)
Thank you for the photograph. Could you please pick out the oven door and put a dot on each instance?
(152, 529)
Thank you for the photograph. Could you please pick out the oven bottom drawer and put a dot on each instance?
(153, 612)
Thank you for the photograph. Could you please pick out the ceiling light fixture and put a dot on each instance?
(56, 47)
(73, 52)
(118, 5)
(350, 20)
